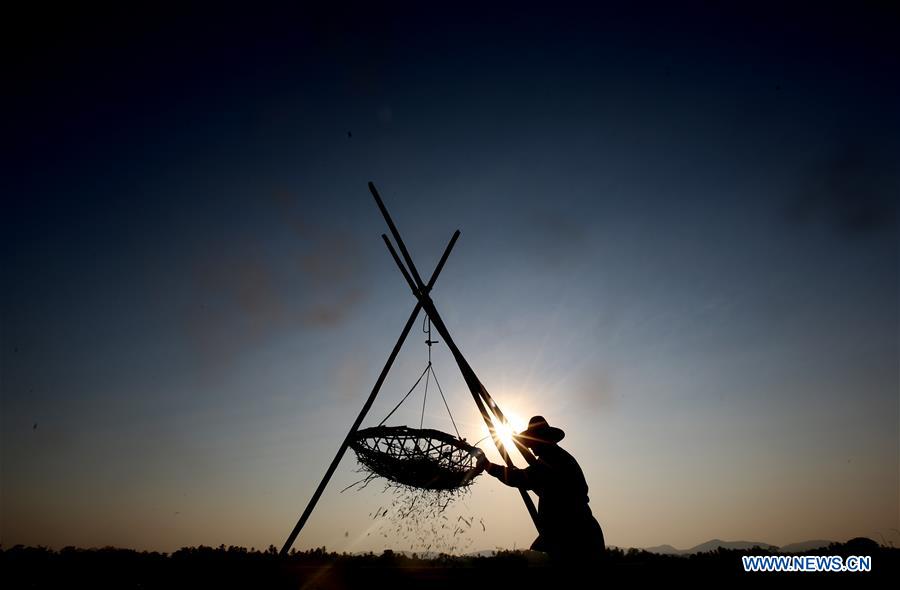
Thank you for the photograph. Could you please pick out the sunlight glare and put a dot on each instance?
(515, 424)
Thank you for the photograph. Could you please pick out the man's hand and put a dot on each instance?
(483, 462)
(481, 459)
(494, 469)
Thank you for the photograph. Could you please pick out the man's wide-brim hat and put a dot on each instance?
(539, 431)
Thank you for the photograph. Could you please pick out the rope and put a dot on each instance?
(428, 373)
(426, 328)
(429, 370)
(458, 435)
(405, 396)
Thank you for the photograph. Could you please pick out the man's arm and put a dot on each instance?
(512, 476)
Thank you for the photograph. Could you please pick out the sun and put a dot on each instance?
(505, 432)
(514, 424)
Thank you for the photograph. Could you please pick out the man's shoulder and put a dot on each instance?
(566, 460)
(560, 455)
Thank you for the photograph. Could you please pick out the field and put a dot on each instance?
(238, 567)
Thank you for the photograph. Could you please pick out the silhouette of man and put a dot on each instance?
(568, 530)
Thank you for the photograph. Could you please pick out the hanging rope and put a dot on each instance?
(426, 328)
(429, 371)
(452, 421)
(411, 389)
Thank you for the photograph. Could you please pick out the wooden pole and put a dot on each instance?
(415, 283)
(479, 392)
(365, 409)
(475, 386)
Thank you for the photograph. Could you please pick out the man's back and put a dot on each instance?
(568, 530)
(567, 525)
(566, 519)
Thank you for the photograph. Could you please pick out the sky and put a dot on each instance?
(679, 244)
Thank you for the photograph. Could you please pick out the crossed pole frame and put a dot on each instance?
(483, 400)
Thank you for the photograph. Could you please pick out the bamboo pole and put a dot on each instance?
(478, 390)
(365, 409)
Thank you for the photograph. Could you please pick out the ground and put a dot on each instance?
(233, 567)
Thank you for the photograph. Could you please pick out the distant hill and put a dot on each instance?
(664, 550)
(714, 544)
(805, 546)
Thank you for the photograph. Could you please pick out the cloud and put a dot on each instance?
(331, 313)
(267, 284)
(849, 191)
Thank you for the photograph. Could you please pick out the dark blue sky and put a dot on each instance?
(679, 242)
